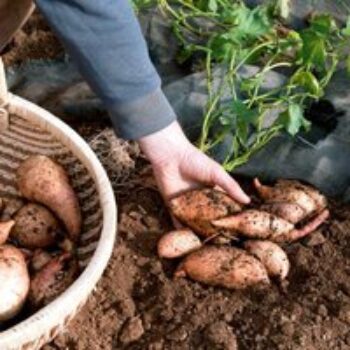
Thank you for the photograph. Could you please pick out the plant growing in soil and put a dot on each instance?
(221, 36)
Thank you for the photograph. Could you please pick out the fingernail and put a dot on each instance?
(246, 199)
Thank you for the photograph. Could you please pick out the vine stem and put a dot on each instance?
(220, 22)
(213, 103)
(270, 134)
(205, 127)
(265, 70)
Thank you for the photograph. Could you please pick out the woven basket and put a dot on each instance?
(28, 129)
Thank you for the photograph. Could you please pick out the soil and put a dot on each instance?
(138, 305)
(34, 41)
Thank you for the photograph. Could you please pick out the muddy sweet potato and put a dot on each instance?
(196, 209)
(288, 211)
(5, 229)
(254, 223)
(39, 259)
(35, 227)
(263, 225)
(14, 281)
(52, 280)
(293, 192)
(227, 267)
(319, 199)
(272, 256)
(305, 230)
(42, 180)
(178, 243)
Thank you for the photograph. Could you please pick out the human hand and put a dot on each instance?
(178, 166)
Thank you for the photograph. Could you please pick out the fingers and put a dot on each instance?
(204, 170)
(221, 178)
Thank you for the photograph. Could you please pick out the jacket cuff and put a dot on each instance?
(143, 116)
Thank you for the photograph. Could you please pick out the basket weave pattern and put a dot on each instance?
(33, 130)
(23, 139)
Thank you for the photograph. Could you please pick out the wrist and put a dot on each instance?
(164, 145)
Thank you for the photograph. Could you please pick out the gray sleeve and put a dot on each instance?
(104, 38)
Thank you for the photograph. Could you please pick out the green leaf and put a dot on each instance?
(235, 146)
(313, 52)
(292, 40)
(346, 30)
(226, 120)
(323, 24)
(238, 119)
(293, 119)
(202, 5)
(242, 131)
(222, 47)
(308, 82)
(249, 23)
(212, 5)
(315, 41)
(243, 113)
(249, 84)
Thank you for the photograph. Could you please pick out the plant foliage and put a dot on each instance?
(230, 34)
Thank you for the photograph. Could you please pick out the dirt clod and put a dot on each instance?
(219, 335)
(132, 331)
(322, 310)
(344, 313)
(178, 334)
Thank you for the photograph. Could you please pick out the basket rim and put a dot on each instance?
(41, 324)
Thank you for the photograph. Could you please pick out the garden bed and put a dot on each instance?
(138, 305)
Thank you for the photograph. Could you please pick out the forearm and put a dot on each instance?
(105, 40)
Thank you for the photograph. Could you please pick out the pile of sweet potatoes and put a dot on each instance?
(37, 237)
(226, 244)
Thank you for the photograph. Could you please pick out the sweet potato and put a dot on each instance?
(272, 256)
(223, 266)
(178, 243)
(52, 280)
(290, 191)
(308, 228)
(42, 180)
(5, 229)
(35, 227)
(319, 199)
(14, 281)
(287, 211)
(255, 224)
(260, 224)
(39, 259)
(198, 208)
